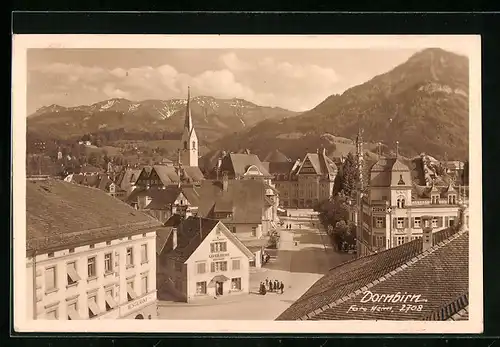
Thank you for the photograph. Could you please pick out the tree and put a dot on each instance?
(349, 176)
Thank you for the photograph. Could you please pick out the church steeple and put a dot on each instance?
(188, 121)
(359, 155)
(189, 141)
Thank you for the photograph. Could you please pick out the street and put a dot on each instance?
(304, 254)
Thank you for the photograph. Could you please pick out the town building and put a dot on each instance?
(303, 184)
(248, 208)
(126, 179)
(237, 166)
(165, 201)
(424, 279)
(200, 258)
(99, 181)
(390, 205)
(159, 176)
(92, 257)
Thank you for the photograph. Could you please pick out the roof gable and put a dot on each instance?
(212, 236)
(310, 165)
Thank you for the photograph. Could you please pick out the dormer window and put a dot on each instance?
(401, 181)
(435, 199)
(452, 199)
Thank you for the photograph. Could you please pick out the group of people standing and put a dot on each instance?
(271, 286)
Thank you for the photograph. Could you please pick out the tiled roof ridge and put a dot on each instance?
(388, 275)
(450, 308)
(76, 233)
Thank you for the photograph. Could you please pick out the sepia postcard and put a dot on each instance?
(247, 184)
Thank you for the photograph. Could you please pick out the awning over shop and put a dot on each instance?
(218, 278)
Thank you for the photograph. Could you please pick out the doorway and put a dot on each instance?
(219, 288)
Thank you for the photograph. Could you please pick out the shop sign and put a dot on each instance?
(131, 306)
(218, 255)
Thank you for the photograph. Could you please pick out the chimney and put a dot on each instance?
(174, 238)
(426, 222)
(225, 182)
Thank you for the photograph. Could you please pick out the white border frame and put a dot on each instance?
(471, 43)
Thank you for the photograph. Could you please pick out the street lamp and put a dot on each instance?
(388, 210)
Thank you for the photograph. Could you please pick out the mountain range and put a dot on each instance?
(212, 117)
(422, 103)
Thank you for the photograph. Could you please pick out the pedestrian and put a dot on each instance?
(275, 285)
(282, 286)
(267, 282)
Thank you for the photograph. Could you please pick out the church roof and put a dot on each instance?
(188, 121)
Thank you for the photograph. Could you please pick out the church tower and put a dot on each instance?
(189, 140)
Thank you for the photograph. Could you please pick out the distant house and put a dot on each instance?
(163, 175)
(200, 257)
(164, 202)
(126, 179)
(99, 181)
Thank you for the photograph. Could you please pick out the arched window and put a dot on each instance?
(401, 202)
(185, 145)
(194, 145)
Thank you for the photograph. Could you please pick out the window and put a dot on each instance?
(401, 182)
(93, 307)
(236, 283)
(218, 247)
(144, 253)
(400, 240)
(401, 202)
(50, 278)
(234, 230)
(108, 243)
(435, 199)
(236, 264)
(194, 144)
(91, 267)
(201, 268)
(400, 222)
(201, 288)
(451, 199)
(130, 257)
(92, 246)
(72, 311)
(416, 222)
(218, 266)
(380, 241)
(72, 250)
(72, 274)
(379, 222)
(144, 284)
(108, 263)
(434, 222)
(254, 231)
(51, 255)
(451, 222)
(53, 314)
(110, 300)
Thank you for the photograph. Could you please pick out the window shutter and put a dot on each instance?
(394, 222)
(406, 223)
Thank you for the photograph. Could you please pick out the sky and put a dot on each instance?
(294, 79)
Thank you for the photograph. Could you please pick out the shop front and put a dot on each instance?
(144, 307)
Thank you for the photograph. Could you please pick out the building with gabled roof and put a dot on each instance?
(100, 181)
(303, 184)
(199, 258)
(88, 255)
(425, 279)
